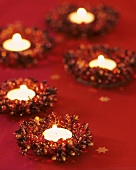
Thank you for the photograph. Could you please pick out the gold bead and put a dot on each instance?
(76, 118)
(92, 78)
(18, 136)
(54, 158)
(72, 153)
(36, 118)
(45, 151)
(70, 142)
(91, 144)
(28, 147)
(63, 158)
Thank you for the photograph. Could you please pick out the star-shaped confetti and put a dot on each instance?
(55, 77)
(104, 99)
(102, 150)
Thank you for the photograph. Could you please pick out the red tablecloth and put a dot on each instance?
(112, 122)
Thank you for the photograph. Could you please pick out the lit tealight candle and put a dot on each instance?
(81, 16)
(54, 134)
(16, 43)
(103, 63)
(22, 93)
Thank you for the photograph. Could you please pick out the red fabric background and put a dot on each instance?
(112, 123)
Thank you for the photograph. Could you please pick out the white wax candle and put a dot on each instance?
(22, 93)
(103, 63)
(54, 134)
(81, 16)
(16, 43)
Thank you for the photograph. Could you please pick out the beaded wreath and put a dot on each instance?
(105, 19)
(30, 137)
(40, 44)
(44, 97)
(77, 63)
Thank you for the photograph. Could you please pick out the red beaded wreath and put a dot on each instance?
(40, 44)
(77, 62)
(30, 137)
(44, 98)
(105, 19)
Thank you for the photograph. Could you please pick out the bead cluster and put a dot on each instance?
(44, 98)
(30, 136)
(40, 44)
(77, 63)
(105, 19)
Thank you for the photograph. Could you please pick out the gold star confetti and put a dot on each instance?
(101, 150)
(55, 77)
(104, 99)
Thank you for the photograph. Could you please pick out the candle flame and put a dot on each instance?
(23, 88)
(54, 127)
(16, 37)
(101, 59)
(81, 12)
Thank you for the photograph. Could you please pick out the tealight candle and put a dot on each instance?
(16, 43)
(22, 93)
(81, 16)
(54, 134)
(103, 63)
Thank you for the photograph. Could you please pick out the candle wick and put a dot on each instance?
(29, 97)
